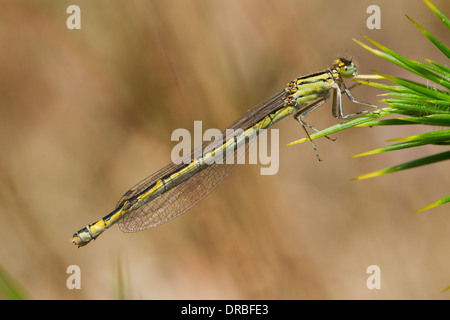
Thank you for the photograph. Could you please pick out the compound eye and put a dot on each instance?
(348, 71)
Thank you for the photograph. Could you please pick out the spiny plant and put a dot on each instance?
(426, 103)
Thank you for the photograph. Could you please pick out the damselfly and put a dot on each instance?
(176, 188)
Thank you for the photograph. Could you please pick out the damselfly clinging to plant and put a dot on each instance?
(176, 188)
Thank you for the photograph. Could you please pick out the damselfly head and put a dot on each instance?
(345, 67)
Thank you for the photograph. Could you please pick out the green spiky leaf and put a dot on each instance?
(424, 102)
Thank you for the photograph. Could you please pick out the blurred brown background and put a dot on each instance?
(86, 114)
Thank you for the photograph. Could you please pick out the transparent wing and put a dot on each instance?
(251, 117)
(177, 200)
(187, 194)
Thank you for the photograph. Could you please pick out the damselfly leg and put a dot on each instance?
(337, 110)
